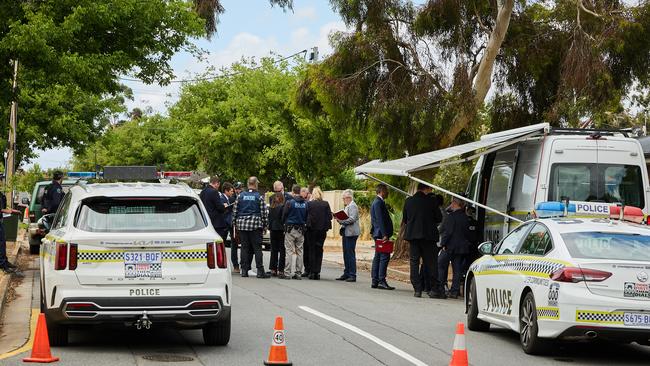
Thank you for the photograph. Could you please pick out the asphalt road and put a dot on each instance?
(328, 323)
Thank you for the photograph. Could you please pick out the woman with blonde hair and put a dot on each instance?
(319, 222)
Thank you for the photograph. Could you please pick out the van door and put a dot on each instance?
(522, 199)
(499, 188)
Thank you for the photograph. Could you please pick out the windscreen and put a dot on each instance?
(599, 245)
(129, 214)
(597, 183)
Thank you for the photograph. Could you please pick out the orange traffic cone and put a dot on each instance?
(41, 349)
(26, 216)
(459, 354)
(278, 352)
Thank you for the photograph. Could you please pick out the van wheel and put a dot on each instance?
(57, 333)
(528, 328)
(473, 322)
(217, 334)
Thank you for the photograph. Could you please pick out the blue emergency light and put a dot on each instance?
(81, 174)
(553, 209)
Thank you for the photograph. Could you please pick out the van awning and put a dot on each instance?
(404, 166)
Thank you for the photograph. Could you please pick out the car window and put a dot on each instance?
(608, 245)
(510, 243)
(537, 241)
(62, 212)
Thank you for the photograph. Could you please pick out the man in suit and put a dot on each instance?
(420, 216)
(455, 245)
(214, 202)
(381, 227)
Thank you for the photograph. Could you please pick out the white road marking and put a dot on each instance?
(365, 334)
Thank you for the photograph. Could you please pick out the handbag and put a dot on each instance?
(382, 246)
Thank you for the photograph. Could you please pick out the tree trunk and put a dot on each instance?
(401, 249)
(483, 79)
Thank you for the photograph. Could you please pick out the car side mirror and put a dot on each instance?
(25, 201)
(486, 248)
(45, 222)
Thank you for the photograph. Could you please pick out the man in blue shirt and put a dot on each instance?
(381, 229)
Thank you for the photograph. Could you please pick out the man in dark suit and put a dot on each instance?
(455, 245)
(214, 202)
(381, 229)
(420, 216)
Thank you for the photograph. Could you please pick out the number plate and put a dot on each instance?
(636, 319)
(143, 265)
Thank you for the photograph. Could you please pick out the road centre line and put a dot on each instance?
(364, 334)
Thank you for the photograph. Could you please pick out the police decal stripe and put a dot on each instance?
(594, 316)
(550, 313)
(186, 255)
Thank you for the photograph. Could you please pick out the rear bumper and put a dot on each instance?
(580, 332)
(186, 311)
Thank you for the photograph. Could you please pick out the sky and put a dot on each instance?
(250, 28)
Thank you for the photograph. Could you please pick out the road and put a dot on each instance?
(327, 322)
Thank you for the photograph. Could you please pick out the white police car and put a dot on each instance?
(137, 255)
(565, 278)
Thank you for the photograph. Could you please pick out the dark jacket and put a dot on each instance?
(420, 215)
(381, 224)
(227, 215)
(52, 197)
(455, 235)
(213, 203)
(275, 218)
(319, 216)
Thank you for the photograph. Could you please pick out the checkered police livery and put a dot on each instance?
(591, 316)
(118, 256)
(534, 266)
(548, 313)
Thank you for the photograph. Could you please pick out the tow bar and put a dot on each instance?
(143, 322)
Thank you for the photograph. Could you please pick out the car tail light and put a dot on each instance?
(61, 256)
(221, 255)
(208, 304)
(81, 306)
(573, 274)
(211, 255)
(73, 257)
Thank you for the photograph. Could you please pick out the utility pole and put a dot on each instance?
(10, 165)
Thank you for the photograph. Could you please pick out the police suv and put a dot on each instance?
(137, 255)
(567, 278)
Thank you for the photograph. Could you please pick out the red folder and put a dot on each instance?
(341, 215)
(382, 246)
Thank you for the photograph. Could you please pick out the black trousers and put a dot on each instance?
(317, 239)
(251, 244)
(307, 248)
(423, 249)
(277, 251)
(234, 247)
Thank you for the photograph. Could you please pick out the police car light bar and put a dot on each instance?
(589, 209)
(179, 174)
(81, 174)
(553, 209)
(630, 213)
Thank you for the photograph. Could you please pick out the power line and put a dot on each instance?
(222, 75)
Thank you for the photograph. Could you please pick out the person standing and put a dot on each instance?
(294, 216)
(381, 228)
(350, 232)
(308, 244)
(319, 222)
(5, 265)
(229, 195)
(455, 246)
(420, 216)
(425, 276)
(251, 219)
(278, 187)
(276, 227)
(215, 203)
(53, 194)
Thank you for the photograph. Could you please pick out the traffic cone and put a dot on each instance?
(26, 216)
(41, 349)
(278, 352)
(459, 354)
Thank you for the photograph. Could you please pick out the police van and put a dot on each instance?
(588, 167)
(134, 254)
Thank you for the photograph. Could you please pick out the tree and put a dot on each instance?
(210, 10)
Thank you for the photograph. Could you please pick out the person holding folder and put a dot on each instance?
(350, 232)
(381, 228)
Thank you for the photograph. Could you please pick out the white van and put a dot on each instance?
(588, 167)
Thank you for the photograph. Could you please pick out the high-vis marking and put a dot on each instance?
(186, 255)
(593, 316)
(550, 313)
(515, 264)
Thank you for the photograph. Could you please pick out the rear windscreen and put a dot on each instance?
(599, 245)
(150, 214)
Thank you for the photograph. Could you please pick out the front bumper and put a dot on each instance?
(186, 311)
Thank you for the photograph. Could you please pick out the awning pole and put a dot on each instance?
(389, 185)
(464, 198)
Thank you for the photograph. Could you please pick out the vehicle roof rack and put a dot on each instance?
(589, 131)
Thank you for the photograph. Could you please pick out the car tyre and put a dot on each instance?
(57, 333)
(473, 322)
(34, 247)
(531, 343)
(217, 334)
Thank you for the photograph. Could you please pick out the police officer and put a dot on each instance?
(251, 218)
(53, 194)
(5, 266)
(294, 216)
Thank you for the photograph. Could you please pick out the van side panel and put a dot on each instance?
(525, 181)
(498, 192)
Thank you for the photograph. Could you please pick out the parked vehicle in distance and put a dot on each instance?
(134, 254)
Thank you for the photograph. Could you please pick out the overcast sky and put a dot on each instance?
(249, 28)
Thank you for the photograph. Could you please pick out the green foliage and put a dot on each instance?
(454, 178)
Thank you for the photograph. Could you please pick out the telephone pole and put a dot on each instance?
(10, 165)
